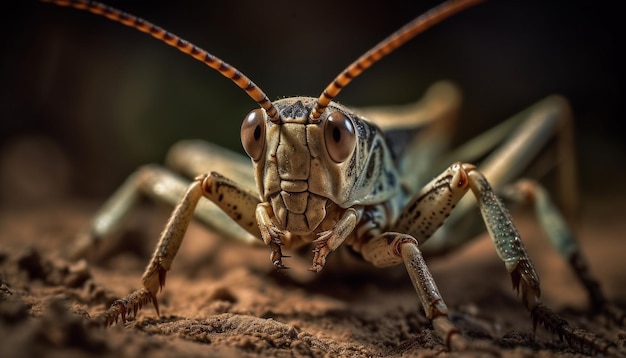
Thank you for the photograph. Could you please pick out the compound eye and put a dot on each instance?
(253, 133)
(339, 136)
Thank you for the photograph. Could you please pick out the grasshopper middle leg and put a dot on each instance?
(505, 153)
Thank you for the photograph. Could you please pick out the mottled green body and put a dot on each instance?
(381, 181)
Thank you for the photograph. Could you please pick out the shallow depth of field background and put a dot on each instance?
(84, 101)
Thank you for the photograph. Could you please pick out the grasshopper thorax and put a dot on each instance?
(305, 167)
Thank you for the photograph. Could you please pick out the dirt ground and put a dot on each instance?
(62, 80)
(224, 299)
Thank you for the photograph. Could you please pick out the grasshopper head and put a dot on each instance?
(303, 167)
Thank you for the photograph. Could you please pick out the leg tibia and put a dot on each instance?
(511, 250)
(506, 239)
(393, 248)
(422, 279)
(109, 218)
(153, 278)
(152, 181)
(171, 238)
(530, 193)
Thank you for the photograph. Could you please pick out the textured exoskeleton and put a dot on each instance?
(328, 176)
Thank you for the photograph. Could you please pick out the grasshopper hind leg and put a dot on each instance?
(506, 153)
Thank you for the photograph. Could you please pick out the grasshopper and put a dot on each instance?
(332, 177)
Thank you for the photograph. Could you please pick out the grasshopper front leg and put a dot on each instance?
(238, 203)
(419, 220)
(426, 213)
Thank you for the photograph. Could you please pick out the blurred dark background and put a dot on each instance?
(84, 100)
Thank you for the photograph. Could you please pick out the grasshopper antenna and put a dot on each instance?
(169, 38)
(385, 47)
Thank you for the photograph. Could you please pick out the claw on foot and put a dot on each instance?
(320, 251)
(123, 307)
(276, 254)
(154, 279)
(579, 339)
(319, 259)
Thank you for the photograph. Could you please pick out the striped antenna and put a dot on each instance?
(169, 38)
(385, 47)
